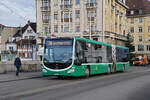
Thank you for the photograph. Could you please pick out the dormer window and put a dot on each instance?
(26, 37)
(140, 11)
(29, 31)
(132, 12)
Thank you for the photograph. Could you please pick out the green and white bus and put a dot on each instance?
(82, 57)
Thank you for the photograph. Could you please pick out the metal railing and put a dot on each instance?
(91, 5)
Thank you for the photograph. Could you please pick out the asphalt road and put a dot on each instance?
(131, 85)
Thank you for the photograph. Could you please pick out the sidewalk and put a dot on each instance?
(11, 76)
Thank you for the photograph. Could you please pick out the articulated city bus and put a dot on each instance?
(82, 57)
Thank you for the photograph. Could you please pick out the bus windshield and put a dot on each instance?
(58, 53)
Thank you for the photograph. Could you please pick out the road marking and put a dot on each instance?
(26, 93)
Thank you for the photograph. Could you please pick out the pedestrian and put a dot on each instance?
(17, 63)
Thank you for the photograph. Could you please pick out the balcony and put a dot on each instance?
(45, 8)
(91, 5)
(115, 35)
(46, 21)
(66, 7)
(120, 37)
(93, 33)
(66, 20)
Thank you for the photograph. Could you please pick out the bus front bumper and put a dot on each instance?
(70, 72)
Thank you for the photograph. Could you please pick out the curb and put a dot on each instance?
(25, 78)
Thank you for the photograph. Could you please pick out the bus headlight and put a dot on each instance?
(70, 71)
(45, 71)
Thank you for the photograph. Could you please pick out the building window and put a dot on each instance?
(55, 2)
(50, 30)
(66, 2)
(140, 29)
(78, 29)
(148, 47)
(11, 48)
(140, 38)
(140, 20)
(45, 3)
(66, 15)
(77, 13)
(66, 28)
(93, 1)
(95, 39)
(26, 37)
(29, 31)
(132, 29)
(25, 46)
(132, 20)
(30, 46)
(56, 28)
(45, 18)
(77, 2)
(31, 37)
(62, 28)
(56, 15)
(93, 28)
(140, 47)
(132, 12)
(148, 28)
(140, 11)
(46, 29)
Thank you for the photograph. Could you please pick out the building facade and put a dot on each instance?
(139, 26)
(115, 21)
(26, 41)
(23, 42)
(101, 20)
(6, 34)
(1, 29)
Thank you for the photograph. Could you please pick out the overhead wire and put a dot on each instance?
(12, 11)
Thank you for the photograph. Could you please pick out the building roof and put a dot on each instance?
(139, 7)
(1, 25)
(23, 29)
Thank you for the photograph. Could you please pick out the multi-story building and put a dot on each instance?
(139, 26)
(115, 21)
(1, 29)
(6, 34)
(24, 42)
(102, 20)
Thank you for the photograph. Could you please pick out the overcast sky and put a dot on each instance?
(17, 12)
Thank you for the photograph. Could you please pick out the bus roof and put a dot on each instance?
(90, 41)
(98, 42)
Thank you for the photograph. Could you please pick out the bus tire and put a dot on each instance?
(87, 72)
(109, 70)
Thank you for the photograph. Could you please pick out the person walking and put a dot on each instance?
(17, 63)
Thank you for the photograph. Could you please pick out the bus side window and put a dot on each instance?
(109, 54)
(97, 46)
(79, 55)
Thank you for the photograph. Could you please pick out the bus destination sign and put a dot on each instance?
(59, 43)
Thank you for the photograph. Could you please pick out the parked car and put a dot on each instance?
(140, 61)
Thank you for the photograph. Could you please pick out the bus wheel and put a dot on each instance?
(109, 70)
(87, 72)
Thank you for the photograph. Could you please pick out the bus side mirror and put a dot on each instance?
(77, 62)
